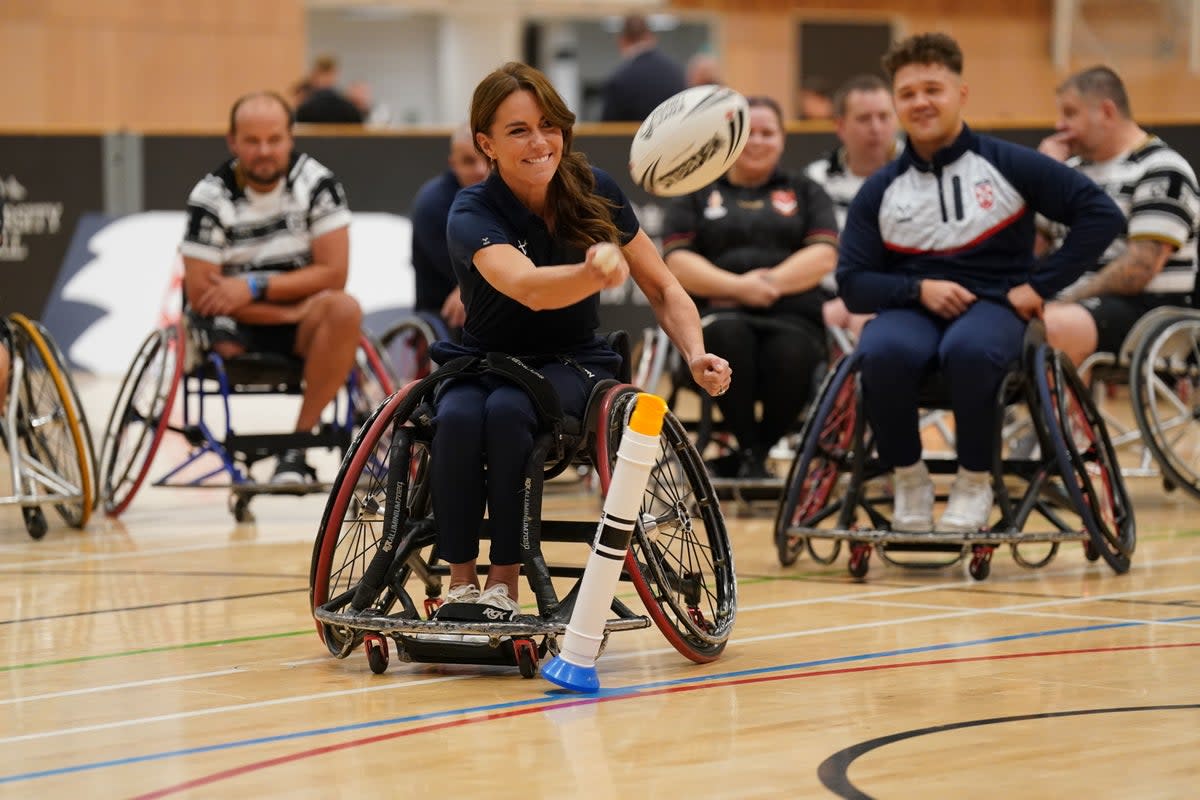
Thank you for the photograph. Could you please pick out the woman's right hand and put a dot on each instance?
(711, 373)
(610, 276)
(756, 290)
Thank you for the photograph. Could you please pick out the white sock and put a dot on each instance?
(971, 476)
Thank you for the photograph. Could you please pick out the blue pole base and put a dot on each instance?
(563, 673)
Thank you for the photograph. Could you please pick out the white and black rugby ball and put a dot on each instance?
(690, 140)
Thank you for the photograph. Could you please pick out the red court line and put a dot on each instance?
(554, 706)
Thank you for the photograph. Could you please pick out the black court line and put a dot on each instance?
(1050, 596)
(148, 606)
(834, 770)
(183, 573)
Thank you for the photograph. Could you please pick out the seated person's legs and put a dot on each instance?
(326, 338)
(898, 348)
(492, 417)
(977, 350)
(1100, 324)
(732, 337)
(788, 361)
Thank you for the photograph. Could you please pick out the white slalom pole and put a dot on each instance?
(574, 667)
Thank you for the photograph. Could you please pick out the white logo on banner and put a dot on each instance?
(22, 219)
(133, 276)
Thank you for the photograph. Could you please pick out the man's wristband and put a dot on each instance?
(258, 286)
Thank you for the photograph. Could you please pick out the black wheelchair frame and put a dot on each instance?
(378, 533)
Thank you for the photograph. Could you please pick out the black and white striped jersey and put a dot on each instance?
(832, 174)
(244, 231)
(1156, 189)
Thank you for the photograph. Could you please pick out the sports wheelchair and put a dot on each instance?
(377, 543)
(171, 358)
(406, 342)
(836, 489)
(46, 435)
(1158, 362)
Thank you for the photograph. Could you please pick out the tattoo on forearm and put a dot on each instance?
(1129, 273)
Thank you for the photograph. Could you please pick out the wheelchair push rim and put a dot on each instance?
(125, 463)
(50, 426)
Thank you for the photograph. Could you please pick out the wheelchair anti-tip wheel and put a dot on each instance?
(139, 417)
(679, 560)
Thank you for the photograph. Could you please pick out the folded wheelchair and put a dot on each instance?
(1069, 489)
(376, 573)
(46, 435)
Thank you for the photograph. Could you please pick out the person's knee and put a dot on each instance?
(1071, 329)
(341, 310)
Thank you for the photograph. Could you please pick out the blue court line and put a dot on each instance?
(567, 697)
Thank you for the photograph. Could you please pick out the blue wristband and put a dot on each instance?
(258, 286)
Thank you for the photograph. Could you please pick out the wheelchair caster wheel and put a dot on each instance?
(35, 522)
(981, 563)
(241, 510)
(527, 659)
(860, 560)
(377, 653)
(1090, 552)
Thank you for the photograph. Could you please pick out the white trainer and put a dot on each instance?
(970, 503)
(497, 597)
(912, 491)
(463, 593)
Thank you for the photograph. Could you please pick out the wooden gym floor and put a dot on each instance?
(171, 653)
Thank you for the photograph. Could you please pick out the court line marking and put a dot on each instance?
(117, 686)
(152, 606)
(241, 707)
(1039, 614)
(524, 708)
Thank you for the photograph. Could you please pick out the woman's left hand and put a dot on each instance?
(711, 373)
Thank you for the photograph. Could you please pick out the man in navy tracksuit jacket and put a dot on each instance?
(939, 244)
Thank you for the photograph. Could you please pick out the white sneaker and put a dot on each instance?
(970, 503)
(912, 491)
(463, 593)
(497, 597)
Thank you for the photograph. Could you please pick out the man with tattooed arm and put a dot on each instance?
(1154, 262)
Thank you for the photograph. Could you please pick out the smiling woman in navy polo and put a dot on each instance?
(523, 246)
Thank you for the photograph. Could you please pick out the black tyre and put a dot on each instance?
(139, 418)
(823, 455)
(1086, 459)
(1164, 390)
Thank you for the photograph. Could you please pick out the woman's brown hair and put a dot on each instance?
(580, 215)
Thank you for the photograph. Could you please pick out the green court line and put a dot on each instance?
(163, 649)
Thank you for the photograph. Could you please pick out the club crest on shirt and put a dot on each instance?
(716, 206)
(784, 201)
(985, 194)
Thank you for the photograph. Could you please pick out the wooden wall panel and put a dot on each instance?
(173, 64)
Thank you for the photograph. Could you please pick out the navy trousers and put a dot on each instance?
(482, 442)
(900, 347)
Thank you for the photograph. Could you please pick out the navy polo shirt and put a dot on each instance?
(488, 213)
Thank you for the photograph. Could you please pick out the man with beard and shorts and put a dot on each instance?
(266, 256)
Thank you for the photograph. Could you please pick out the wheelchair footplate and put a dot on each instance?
(480, 641)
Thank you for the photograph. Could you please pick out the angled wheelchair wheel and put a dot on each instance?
(372, 380)
(679, 560)
(1086, 459)
(352, 526)
(139, 418)
(49, 425)
(405, 345)
(1164, 390)
(824, 452)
